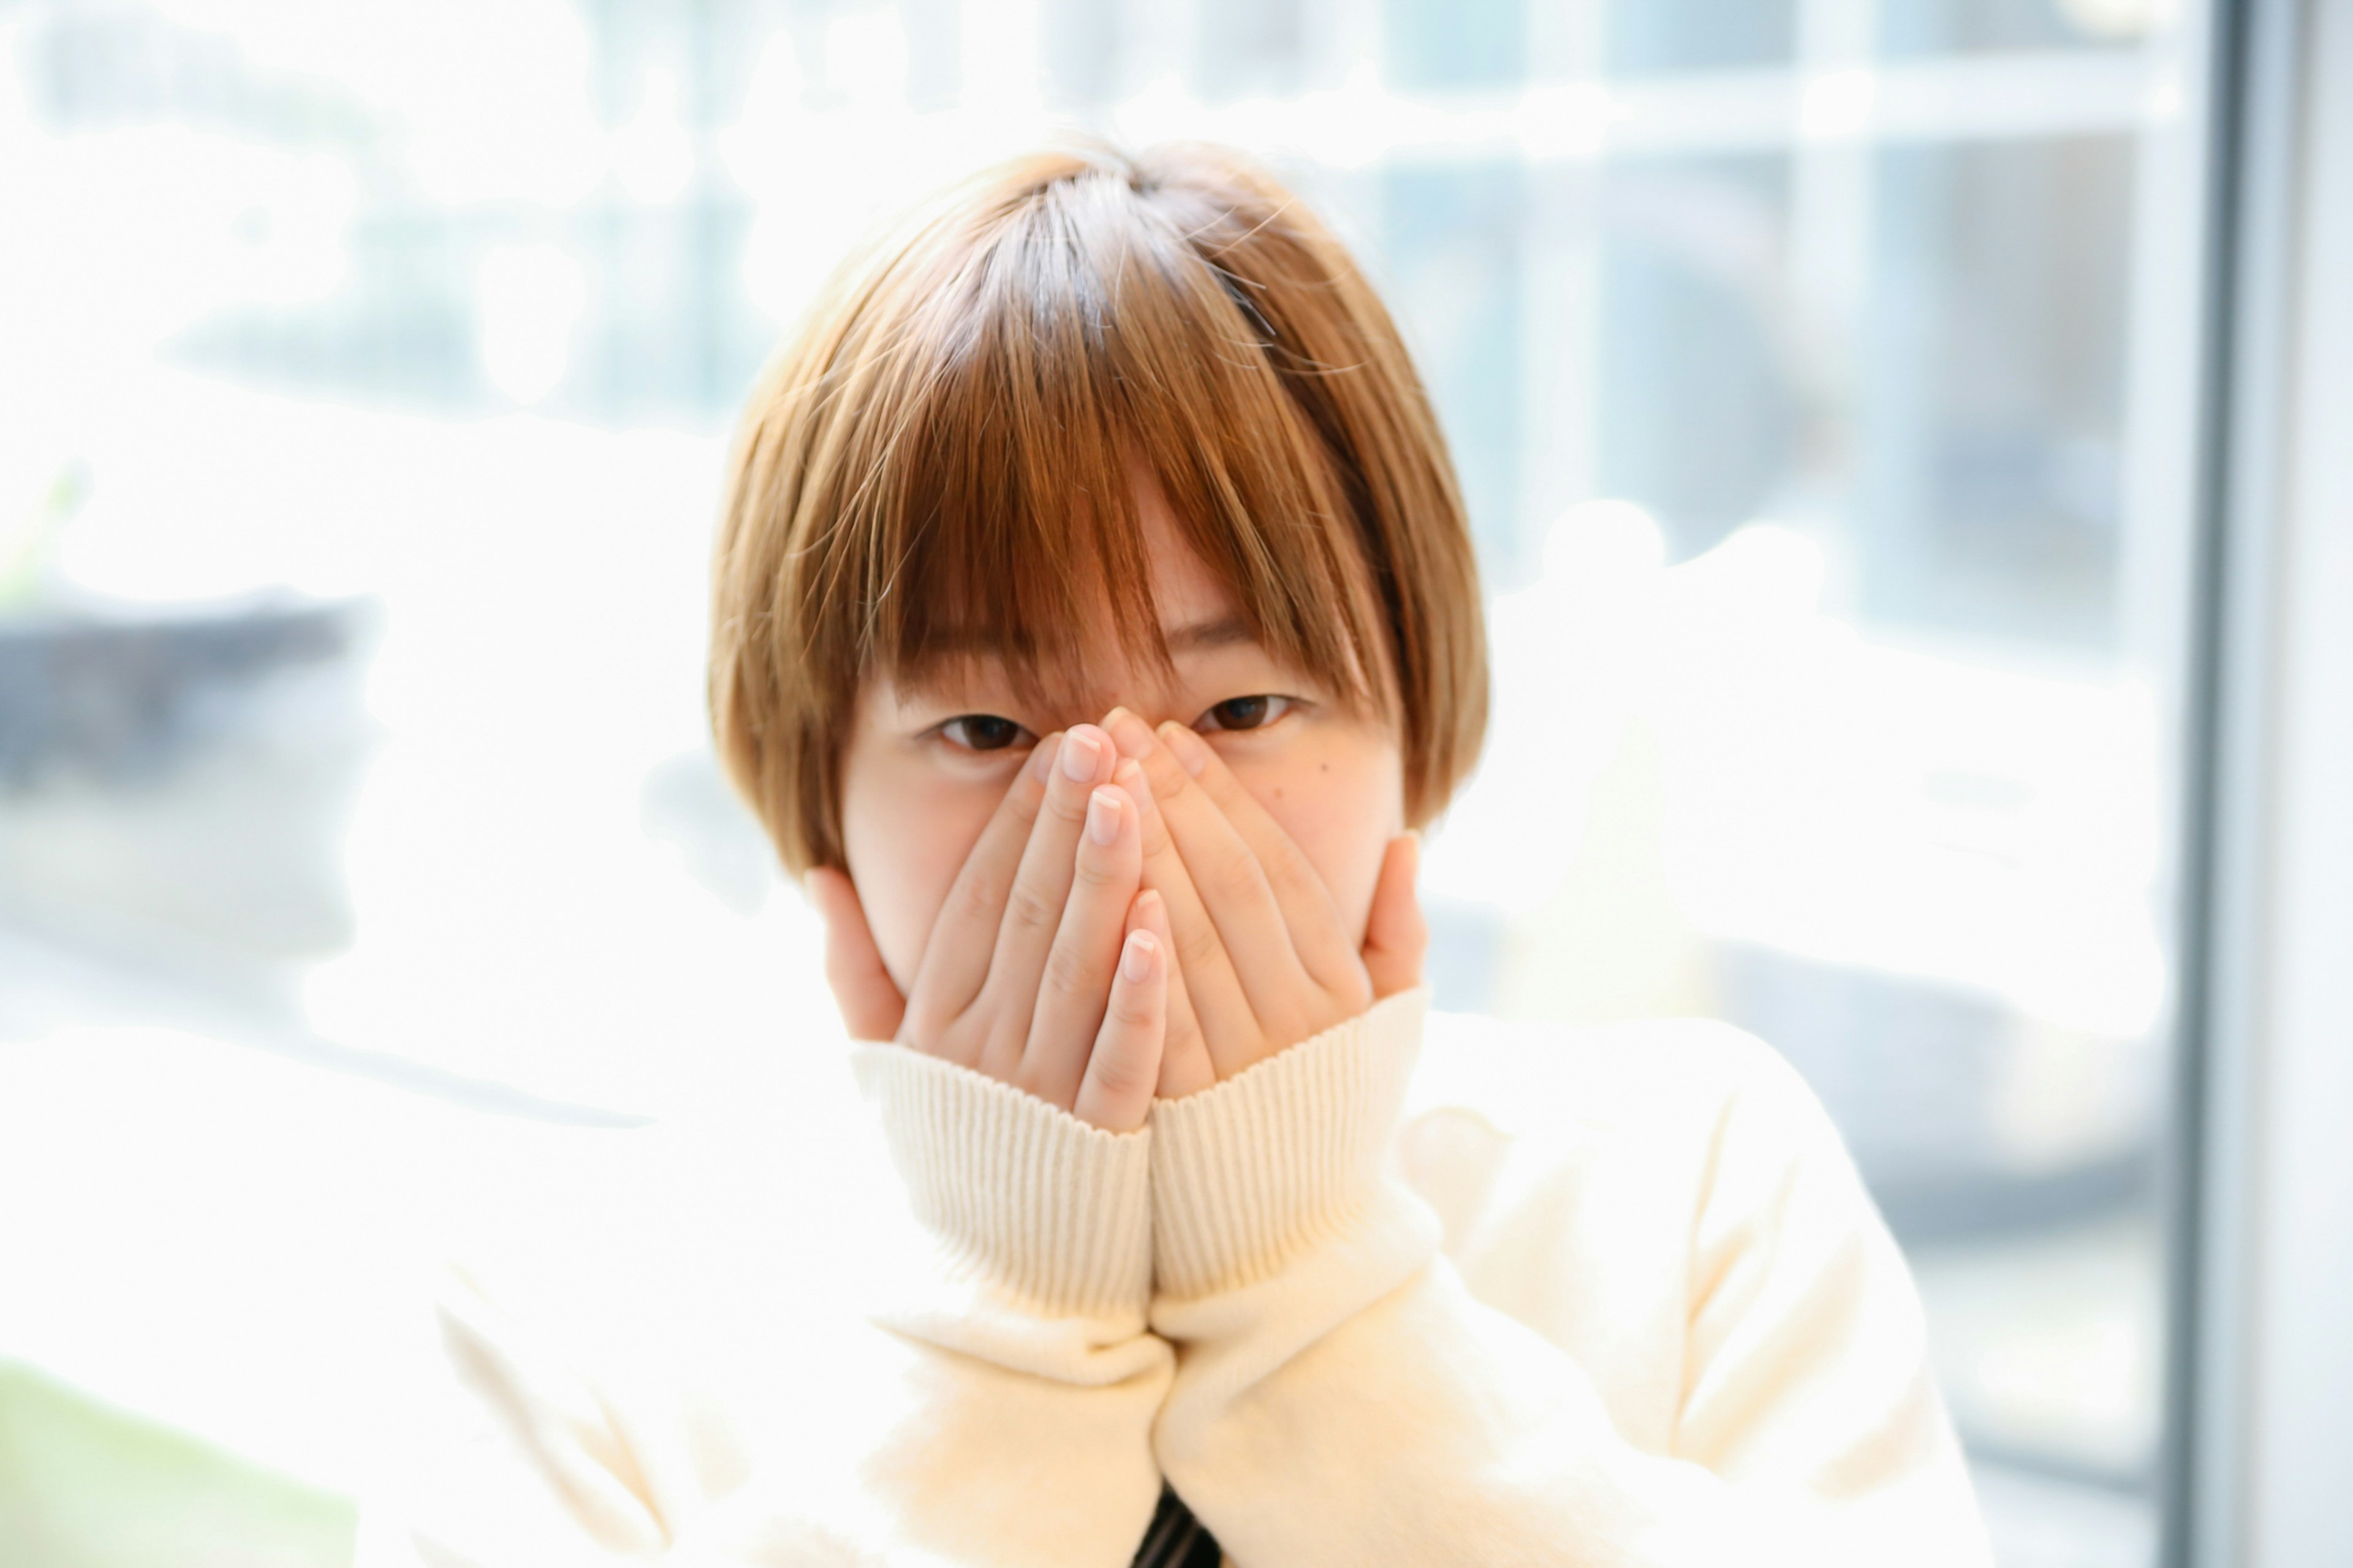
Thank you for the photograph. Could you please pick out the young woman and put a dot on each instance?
(1096, 622)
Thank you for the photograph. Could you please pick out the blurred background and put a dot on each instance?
(1824, 376)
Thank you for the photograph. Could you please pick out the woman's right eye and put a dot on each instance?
(983, 731)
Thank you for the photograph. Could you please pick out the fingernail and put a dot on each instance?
(1136, 962)
(1103, 817)
(1133, 735)
(1078, 753)
(1128, 776)
(1042, 762)
(1189, 748)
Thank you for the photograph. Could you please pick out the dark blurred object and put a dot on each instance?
(175, 780)
(120, 696)
(1913, 1073)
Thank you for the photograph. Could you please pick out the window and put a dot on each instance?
(1822, 378)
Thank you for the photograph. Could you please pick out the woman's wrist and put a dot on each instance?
(1017, 1193)
(1249, 1174)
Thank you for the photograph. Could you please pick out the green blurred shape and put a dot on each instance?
(83, 1485)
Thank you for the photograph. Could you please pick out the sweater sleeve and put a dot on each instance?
(1341, 1398)
(995, 1408)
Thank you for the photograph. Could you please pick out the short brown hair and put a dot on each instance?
(943, 457)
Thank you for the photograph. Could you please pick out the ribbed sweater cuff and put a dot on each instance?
(1018, 1191)
(1248, 1174)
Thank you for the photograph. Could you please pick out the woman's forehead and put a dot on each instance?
(1196, 611)
(1184, 589)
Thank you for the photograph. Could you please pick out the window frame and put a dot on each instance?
(2260, 1377)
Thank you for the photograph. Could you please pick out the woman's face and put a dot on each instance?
(925, 768)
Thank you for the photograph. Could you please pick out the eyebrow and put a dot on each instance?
(1199, 637)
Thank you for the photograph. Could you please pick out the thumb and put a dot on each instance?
(1396, 937)
(870, 1003)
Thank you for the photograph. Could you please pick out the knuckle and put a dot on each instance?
(1131, 1008)
(1028, 907)
(1067, 974)
(1022, 801)
(1066, 801)
(1234, 877)
(1162, 773)
(977, 896)
(1197, 947)
(1287, 868)
(1121, 1073)
(1099, 869)
(1155, 837)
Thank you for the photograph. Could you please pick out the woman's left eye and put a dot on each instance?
(1244, 713)
(983, 731)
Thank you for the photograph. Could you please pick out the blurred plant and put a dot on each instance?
(29, 542)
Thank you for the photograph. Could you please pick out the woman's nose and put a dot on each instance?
(1130, 730)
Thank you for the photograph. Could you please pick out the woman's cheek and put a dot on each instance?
(906, 839)
(1341, 804)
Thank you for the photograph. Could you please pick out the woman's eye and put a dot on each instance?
(1243, 713)
(982, 731)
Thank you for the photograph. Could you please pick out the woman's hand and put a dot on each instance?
(1263, 960)
(1047, 967)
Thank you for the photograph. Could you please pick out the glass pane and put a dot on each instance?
(1245, 48)
(1995, 386)
(1450, 245)
(1909, 27)
(365, 422)
(1078, 45)
(1688, 246)
(1649, 36)
(1452, 44)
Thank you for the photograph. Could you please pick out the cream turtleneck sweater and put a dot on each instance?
(1611, 1296)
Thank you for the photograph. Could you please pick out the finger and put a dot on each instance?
(1239, 904)
(964, 934)
(1213, 992)
(1325, 946)
(1076, 983)
(1034, 903)
(1185, 1064)
(1185, 1046)
(1397, 937)
(1124, 1065)
(862, 988)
